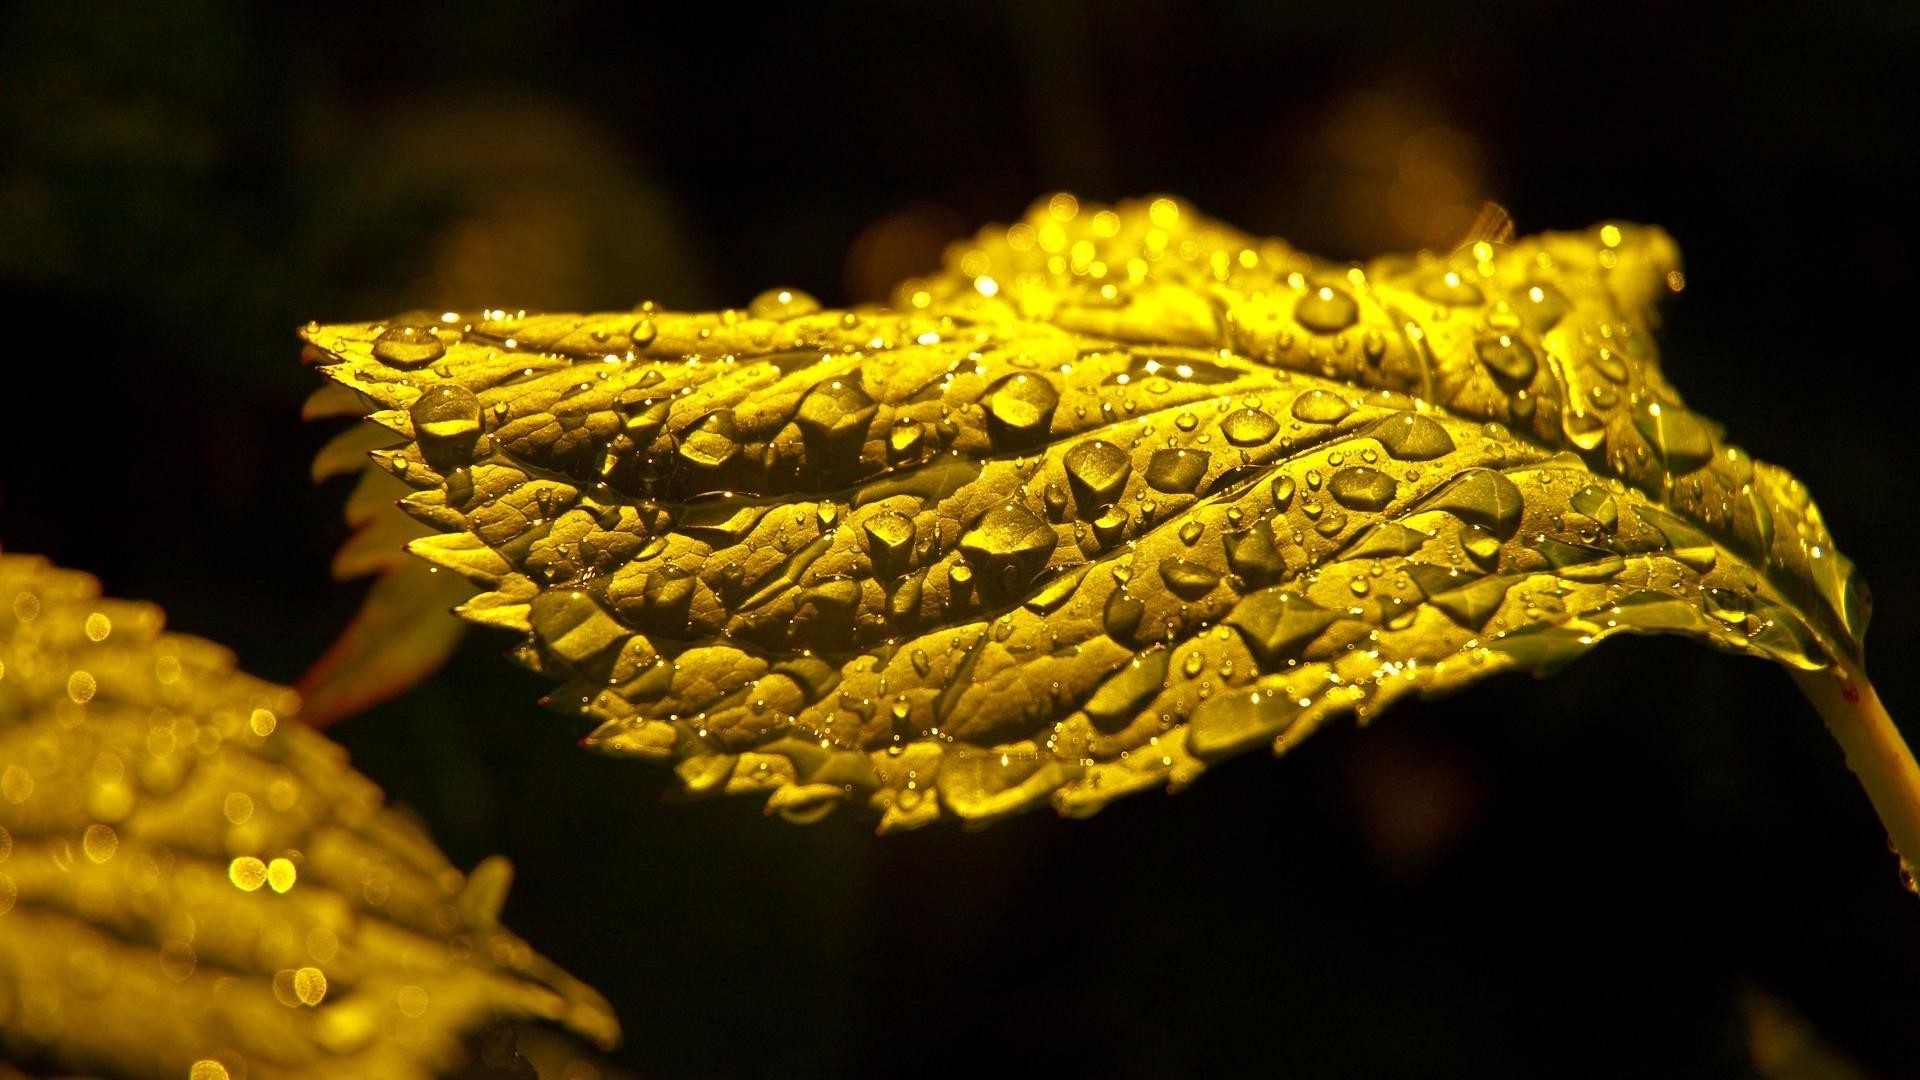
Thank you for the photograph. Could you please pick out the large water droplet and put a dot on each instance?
(1020, 409)
(1008, 545)
(835, 407)
(1510, 360)
(1097, 471)
(1682, 442)
(904, 440)
(1542, 307)
(1320, 407)
(1249, 427)
(1120, 698)
(1361, 488)
(1413, 437)
(1229, 723)
(1176, 470)
(407, 346)
(1188, 580)
(1253, 555)
(782, 304)
(890, 537)
(711, 441)
(1482, 497)
(1277, 625)
(1597, 503)
(446, 416)
(1385, 540)
(1449, 288)
(1122, 615)
(1687, 544)
(1326, 310)
(1480, 545)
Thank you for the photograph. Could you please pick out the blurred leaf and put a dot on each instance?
(1786, 1047)
(403, 631)
(188, 876)
(1121, 493)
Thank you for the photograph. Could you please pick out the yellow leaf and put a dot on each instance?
(403, 631)
(192, 884)
(1119, 493)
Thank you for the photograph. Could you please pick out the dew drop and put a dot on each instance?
(1326, 310)
(407, 346)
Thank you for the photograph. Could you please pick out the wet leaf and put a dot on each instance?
(1119, 494)
(403, 631)
(188, 875)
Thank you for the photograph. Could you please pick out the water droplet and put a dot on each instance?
(1480, 545)
(1229, 723)
(1176, 470)
(1190, 533)
(1097, 471)
(1277, 625)
(1320, 407)
(1362, 488)
(1109, 524)
(446, 417)
(904, 440)
(1249, 427)
(1412, 437)
(1449, 288)
(711, 441)
(1122, 615)
(1253, 555)
(1009, 545)
(1543, 306)
(1385, 540)
(407, 346)
(643, 333)
(890, 536)
(836, 411)
(1326, 310)
(782, 304)
(1020, 409)
(1510, 360)
(1188, 580)
(1283, 488)
(1120, 698)
(1481, 497)
(1595, 502)
(1688, 545)
(1682, 442)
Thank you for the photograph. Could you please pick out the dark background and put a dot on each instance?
(1597, 874)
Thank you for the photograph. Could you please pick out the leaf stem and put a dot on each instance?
(1875, 752)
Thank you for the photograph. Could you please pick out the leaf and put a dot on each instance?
(1118, 495)
(187, 876)
(403, 632)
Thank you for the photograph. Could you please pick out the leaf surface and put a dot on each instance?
(191, 880)
(1118, 494)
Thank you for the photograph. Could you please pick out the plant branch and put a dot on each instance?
(1875, 752)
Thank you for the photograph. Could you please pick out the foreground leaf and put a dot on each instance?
(402, 632)
(191, 880)
(1090, 529)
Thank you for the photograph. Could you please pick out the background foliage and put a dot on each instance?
(1584, 872)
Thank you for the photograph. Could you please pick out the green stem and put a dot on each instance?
(1875, 752)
